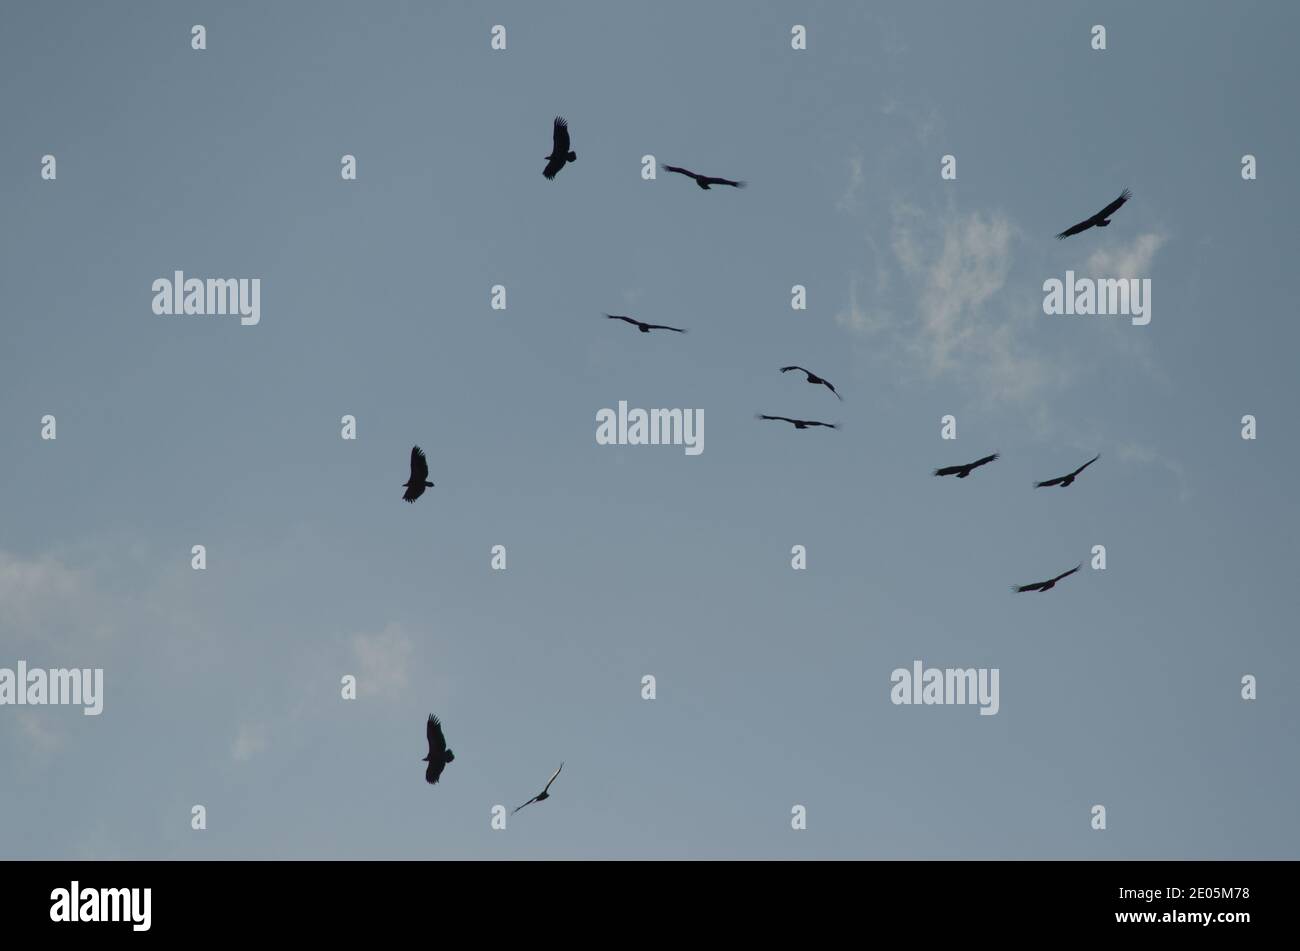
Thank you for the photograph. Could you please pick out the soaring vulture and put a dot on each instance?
(800, 423)
(704, 181)
(1101, 219)
(560, 151)
(439, 756)
(643, 326)
(544, 794)
(815, 379)
(419, 480)
(962, 472)
(1044, 585)
(1065, 480)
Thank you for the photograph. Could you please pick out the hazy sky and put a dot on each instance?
(1121, 687)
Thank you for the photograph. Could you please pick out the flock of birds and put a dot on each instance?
(562, 154)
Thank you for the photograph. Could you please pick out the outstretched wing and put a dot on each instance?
(560, 137)
(681, 171)
(547, 787)
(437, 742)
(1068, 573)
(784, 419)
(528, 803)
(665, 327)
(830, 386)
(722, 181)
(813, 422)
(1043, 485)
(948, 470)
(788, 369)
(627, 320)
(1028, 587)
(419, 465)
(559, 148)
(419, 474)
(1086, 464)
(1115, 205)
(1075, 229)
(983, 462)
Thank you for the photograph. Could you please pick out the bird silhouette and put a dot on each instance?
(418, 481)
(815, 379)
(800, 423)
(1044, 585)
(1065, 480)
(643, 326)
(544, 794)
(1100, 220)
(560, 151)
(704, 181)
(962, 472)
(439, 756)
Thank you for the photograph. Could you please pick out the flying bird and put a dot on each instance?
(800, 423)
(643, 326)
(1101, 219)
(815, 379)
(419, 480)
(704, 181)
(1044, 585)
(439, 756)
(560, 151)
(544, 794)
(1065, 480)
(962, 472)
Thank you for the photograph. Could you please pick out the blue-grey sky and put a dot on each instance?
(1121, 687)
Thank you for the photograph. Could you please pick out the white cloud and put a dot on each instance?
(384, 660)
(849, 199)
(964, 324)
(970, 268)
(37, 732)
(45, 603)
(1129, 261)
(249, 741)
(1144, 455)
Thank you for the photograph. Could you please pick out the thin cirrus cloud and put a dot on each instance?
(45, 602)
(962, 323)
(849, 199)
(383, 660)
(1127, 260)
(249, 741)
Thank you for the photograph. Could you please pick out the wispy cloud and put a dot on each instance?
(384, 660)
(42, 600)
(249, 741)
(963, 325)
(849, 200)
(1126, 261)
(36, 731)
(1145, 455)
